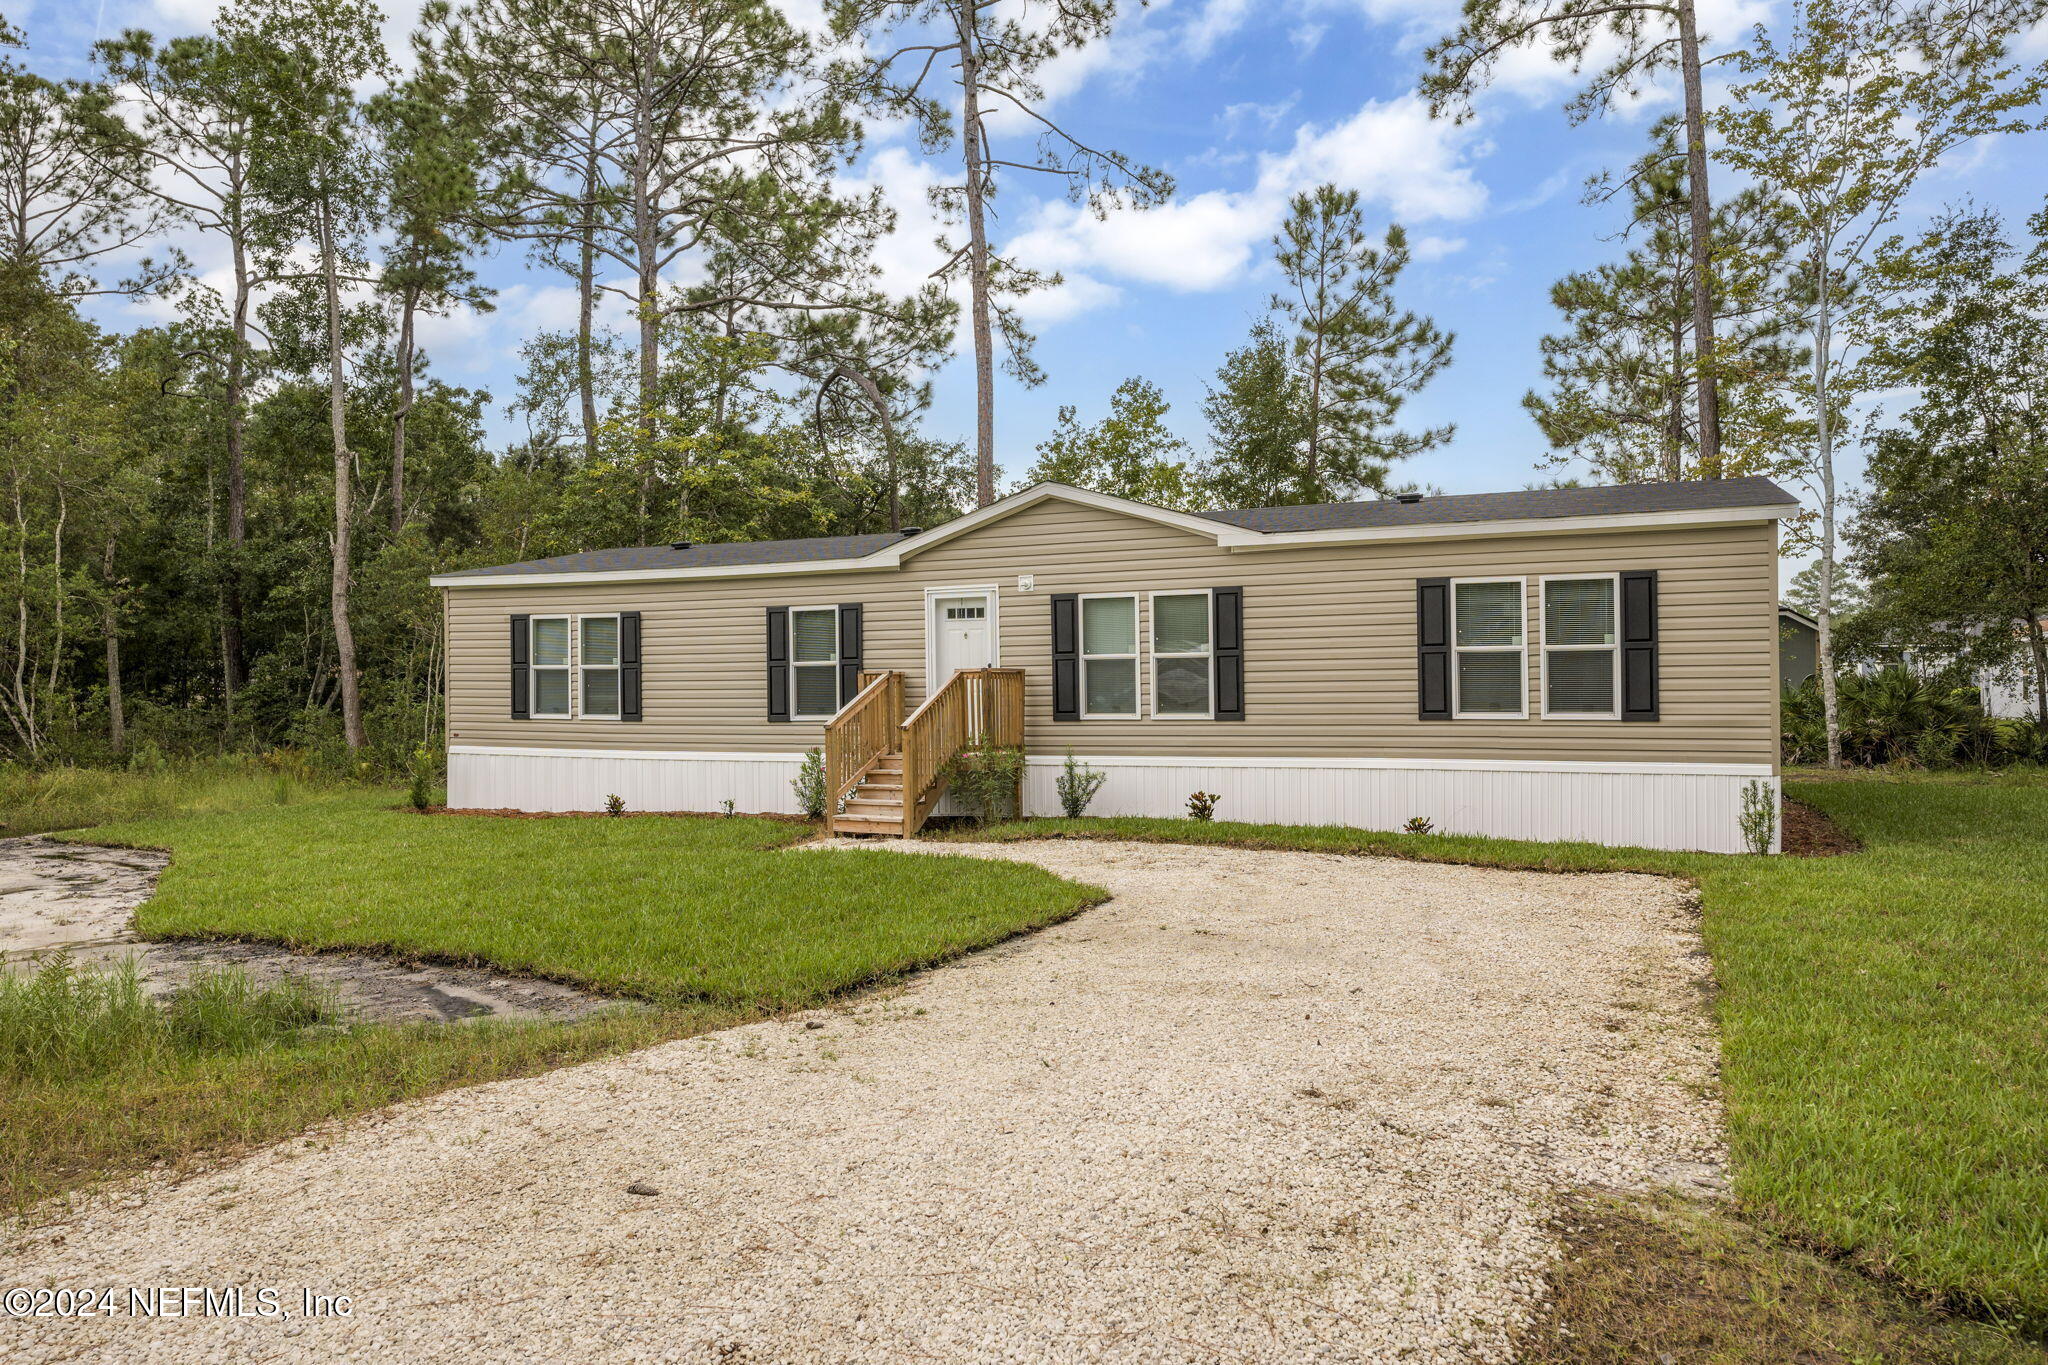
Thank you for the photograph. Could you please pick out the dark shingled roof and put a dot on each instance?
(1535, 502)
(696, 557)
(1445, 510)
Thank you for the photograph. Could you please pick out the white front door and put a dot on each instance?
(960, 636)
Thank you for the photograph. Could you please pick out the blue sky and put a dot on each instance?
(1244, 103)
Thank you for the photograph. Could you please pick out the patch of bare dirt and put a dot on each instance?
(1810, 834)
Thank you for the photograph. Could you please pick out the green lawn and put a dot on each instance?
(664, 909)
(706, 918)
(1884, 1019)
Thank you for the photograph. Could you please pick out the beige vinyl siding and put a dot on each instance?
(1329, 643)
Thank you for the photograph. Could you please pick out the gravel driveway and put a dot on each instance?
(1261, 1106)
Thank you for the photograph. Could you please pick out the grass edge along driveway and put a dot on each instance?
(560, 898)
(1884, 1019)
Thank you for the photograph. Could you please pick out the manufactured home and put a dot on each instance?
(1570, 663)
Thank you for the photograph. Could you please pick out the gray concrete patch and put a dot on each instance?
(80, 899)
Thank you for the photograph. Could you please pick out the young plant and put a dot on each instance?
(422, 769)
(1419, 824)
(726, 806)
(809, 785)
(1759, 817)
(615, 805)
(1202, 805)
(1077, 785)
(986, 781)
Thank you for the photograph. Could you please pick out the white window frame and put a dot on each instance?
(1544, 646)
(1138, 620)
(795, 714)
(583, 711)
(1458, 711)
(567, 668)
(1208, 652)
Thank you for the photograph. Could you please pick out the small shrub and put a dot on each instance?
(422, 773)
(1419, 824)
(1077, 785)
(615, 805)
(809, 785)
(726, 806)
(1759, 817)
(986, 781)
(1202, 805)
(147, 757)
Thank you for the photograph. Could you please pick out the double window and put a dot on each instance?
(1581, 647)
(1182, 662)
(573, 663)
(1490, 672)
(814, 662)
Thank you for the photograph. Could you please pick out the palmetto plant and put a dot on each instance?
(1897, 716)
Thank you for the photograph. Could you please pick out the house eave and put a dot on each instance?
(1222, 534)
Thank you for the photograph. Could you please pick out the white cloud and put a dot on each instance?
(1432, 248)
(1391, 152)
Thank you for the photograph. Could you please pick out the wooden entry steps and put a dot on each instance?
(884, 772)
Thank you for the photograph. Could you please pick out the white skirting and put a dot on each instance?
(1646, 805)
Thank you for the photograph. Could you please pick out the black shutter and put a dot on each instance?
(849, 652)
(629, 665)
(1226, 643)
(1639, 645)
(778, 663)
(1433, 648)
(521, 707)
(1066, 656)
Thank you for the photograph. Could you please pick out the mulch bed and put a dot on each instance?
(1810, 834)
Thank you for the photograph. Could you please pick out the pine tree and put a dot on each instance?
(1256, 428)
(1358, 359)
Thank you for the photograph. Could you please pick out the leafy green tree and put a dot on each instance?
(995, 58)
(1257, 423)
(1623, 375)
(1130, 453)
(1358, 358)
(1954, 531)
(1837, 124)
(1638, 40)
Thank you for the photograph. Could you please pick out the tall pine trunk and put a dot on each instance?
(344, 492)
(586, 293)
(1823, 337)
(110, 621)
(234, 667)
(646, 245)
(964, 12)
(1702, 243)
(2036, 639)
(407, 308)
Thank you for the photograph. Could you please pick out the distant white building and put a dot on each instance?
(1799, 651)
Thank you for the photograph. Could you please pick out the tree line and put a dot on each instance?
(219, 525)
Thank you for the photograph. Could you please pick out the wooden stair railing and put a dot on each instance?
(865, 730)
(977, 707)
